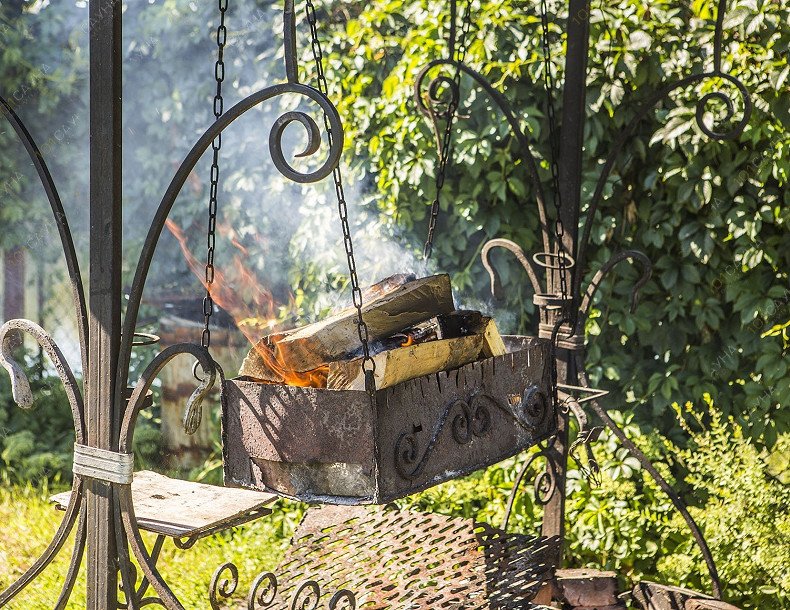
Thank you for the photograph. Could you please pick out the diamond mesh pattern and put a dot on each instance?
(405, 560)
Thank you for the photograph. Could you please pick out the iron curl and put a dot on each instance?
(263, 591)
(727, 100)
(223, 586)
(307, 596)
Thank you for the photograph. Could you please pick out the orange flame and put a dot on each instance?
(250, 304)
(408, 342)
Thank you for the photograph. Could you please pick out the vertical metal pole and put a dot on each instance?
(104, 303)
(574, 106)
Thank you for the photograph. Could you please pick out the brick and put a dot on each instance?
(587, 588)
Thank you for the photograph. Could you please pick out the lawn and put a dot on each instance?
(30, 521)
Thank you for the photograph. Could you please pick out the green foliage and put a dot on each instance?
(745, 512)
(35, 445)
(629, 525)
(711, 215)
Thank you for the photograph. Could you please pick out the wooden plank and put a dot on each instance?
(493, 345)
(336, 337)
(655, 596)
(581, 587)
(182, 509)
(404, 363)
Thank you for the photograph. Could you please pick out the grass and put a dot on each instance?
(29, 522)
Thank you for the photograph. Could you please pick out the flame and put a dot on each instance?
(409, 341)
(252, 306)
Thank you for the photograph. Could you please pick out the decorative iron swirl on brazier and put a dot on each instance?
(472, 419)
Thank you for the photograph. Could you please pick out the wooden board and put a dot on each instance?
(182, 509)
(336, 337)
(655, 596)
(493, 344)
(404, 363)
(582, 587)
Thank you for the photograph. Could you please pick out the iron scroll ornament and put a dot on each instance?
(470, 418)
(23, 397)
(428, 96)
(191, 159)
(126, 528)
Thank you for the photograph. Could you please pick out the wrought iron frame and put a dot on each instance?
(101, 508)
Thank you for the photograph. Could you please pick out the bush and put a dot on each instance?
(629, 525)
(712, 216)
(36, 445)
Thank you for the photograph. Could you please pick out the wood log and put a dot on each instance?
(256, 363)
(336, 337)
(404, 363)
(463, 323)
(493, 345)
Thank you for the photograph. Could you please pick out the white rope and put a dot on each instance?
(103, 465)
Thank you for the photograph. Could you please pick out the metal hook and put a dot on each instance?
(518, 252)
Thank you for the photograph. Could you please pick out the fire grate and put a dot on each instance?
(405, 560)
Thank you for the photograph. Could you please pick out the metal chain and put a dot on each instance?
(368, 364)
(445, 152)
(216, 145)
(554, 143)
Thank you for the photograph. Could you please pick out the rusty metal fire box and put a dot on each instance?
(333, 446)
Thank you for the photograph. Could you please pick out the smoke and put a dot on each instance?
(291, 234)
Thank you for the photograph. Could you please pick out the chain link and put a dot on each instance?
(368, 364)
(445, 153)
(554, 143)
(216, 145)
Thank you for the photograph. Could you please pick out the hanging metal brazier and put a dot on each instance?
(336, 446)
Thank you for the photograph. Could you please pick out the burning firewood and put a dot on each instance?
(465, 323)
(414, 331)
(404, 363)
(335, 338)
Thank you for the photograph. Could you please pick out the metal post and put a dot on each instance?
(570, 161)
(574, 107)
(104, 303)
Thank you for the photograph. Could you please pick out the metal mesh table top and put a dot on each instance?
(406, 560)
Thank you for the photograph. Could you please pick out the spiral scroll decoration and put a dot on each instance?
(343, 600)
(223, 584)
(278, 157)
(434, 96)
(472, 419)
(307, 596)
(628, 131)
(727, 100)
(545, 482)
(263, 591)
